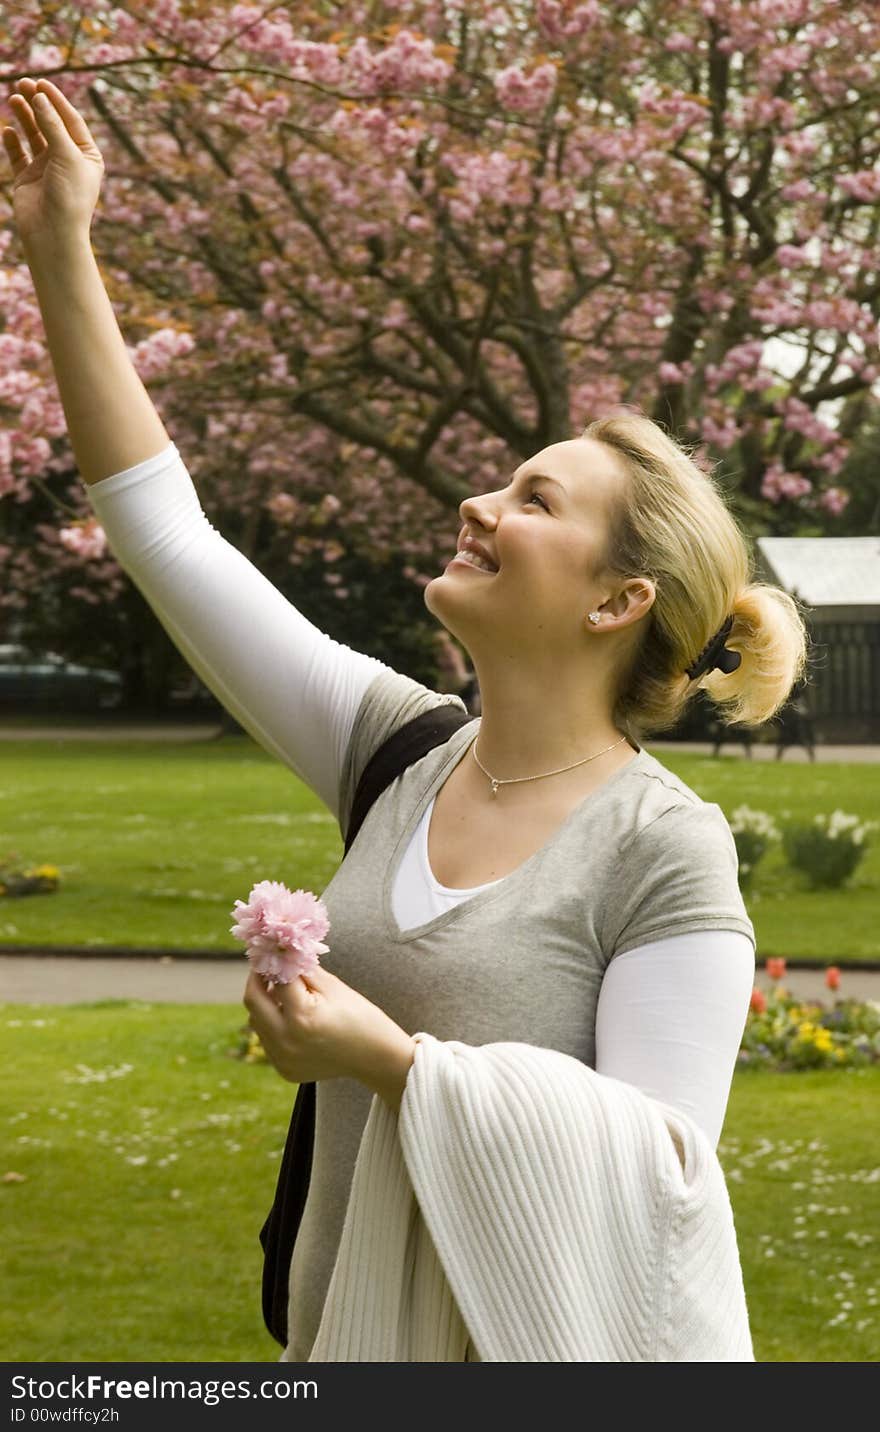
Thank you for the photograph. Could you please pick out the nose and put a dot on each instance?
(478, 509)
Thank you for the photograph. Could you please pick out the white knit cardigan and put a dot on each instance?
(547, 1212)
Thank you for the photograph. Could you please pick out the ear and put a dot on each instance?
(628, 603)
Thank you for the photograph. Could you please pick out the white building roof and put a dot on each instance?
(825, 571)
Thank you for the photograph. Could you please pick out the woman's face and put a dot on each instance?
(546, 533)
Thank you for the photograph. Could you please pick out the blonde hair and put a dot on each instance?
(672, 525)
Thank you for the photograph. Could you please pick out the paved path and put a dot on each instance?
(50, 979)
(106, 730)
(114, 731)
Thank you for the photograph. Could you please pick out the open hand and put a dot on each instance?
(55, 187)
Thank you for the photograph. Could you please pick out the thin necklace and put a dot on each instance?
(496, 783)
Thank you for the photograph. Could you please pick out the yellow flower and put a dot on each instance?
(255, 1052)
(51, 871)
(823, 1041)
(806, 1030)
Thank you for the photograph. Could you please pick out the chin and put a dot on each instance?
(436, 607)
(427, 589)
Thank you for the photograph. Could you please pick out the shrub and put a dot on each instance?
(828, 849)
(753, 832)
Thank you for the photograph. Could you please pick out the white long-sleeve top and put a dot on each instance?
(670, 1013)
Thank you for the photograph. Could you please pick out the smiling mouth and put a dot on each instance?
(468, 560)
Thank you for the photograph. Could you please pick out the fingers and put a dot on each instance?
(292, 996)
(254, 992)
(73, 120)
(20, 106)
(258, 998)
(51, 125)
(14, 151)
(44, 112)
(280, 1004)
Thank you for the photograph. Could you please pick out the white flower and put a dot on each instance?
(744, 818)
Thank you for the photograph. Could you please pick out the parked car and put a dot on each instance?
(45, 681)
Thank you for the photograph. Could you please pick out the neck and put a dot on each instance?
(533, 735)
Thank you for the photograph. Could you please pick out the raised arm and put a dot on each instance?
(290, 685)
(111, 420)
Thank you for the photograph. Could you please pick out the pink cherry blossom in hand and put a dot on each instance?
(282, 929)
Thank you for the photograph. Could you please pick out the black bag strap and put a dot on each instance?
(403, 749)
(278, 1234)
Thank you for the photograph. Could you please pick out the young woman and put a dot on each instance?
(539, 877)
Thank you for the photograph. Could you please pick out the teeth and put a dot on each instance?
(476, 560)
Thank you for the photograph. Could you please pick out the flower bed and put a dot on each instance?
(785, 1033)
(19, 879)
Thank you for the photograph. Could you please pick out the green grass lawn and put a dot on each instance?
(148, 1159)
(155, 841)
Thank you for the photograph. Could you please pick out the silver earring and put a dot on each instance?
(595, 617)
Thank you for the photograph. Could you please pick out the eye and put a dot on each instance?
(540, 499)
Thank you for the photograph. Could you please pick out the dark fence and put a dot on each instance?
(844, 688)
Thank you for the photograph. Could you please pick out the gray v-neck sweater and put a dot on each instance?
(641, 857)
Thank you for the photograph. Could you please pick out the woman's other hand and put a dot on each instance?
(55, 188)
(318, 1027)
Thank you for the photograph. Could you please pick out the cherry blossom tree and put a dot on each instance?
(369, 257)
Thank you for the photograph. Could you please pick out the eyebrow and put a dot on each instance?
(542, 477)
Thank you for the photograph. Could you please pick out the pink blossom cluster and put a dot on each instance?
(780, 60)
(712, 298)
(381, 131)
(86, 538)
(284, 508)
(526, 93)
(777, 483)
(800, 418)
(750, 27)
(275, 38)
(798, 189)
(864, 186)
(499, 178)
(799, 144)
(674, 372)
(679, 43)
(682, 112)
(407, 63)
(153, 356)
(283, 930)
(833, 458)
(777, 310)
(840, 313)
(834, 500)
(741, 365)
(792, 256)
(721, 435)
(561, 20)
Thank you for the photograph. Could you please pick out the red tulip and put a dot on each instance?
(832, 977)
(758, 1001)
(775, 969)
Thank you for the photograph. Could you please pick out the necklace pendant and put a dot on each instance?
(494, 786)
